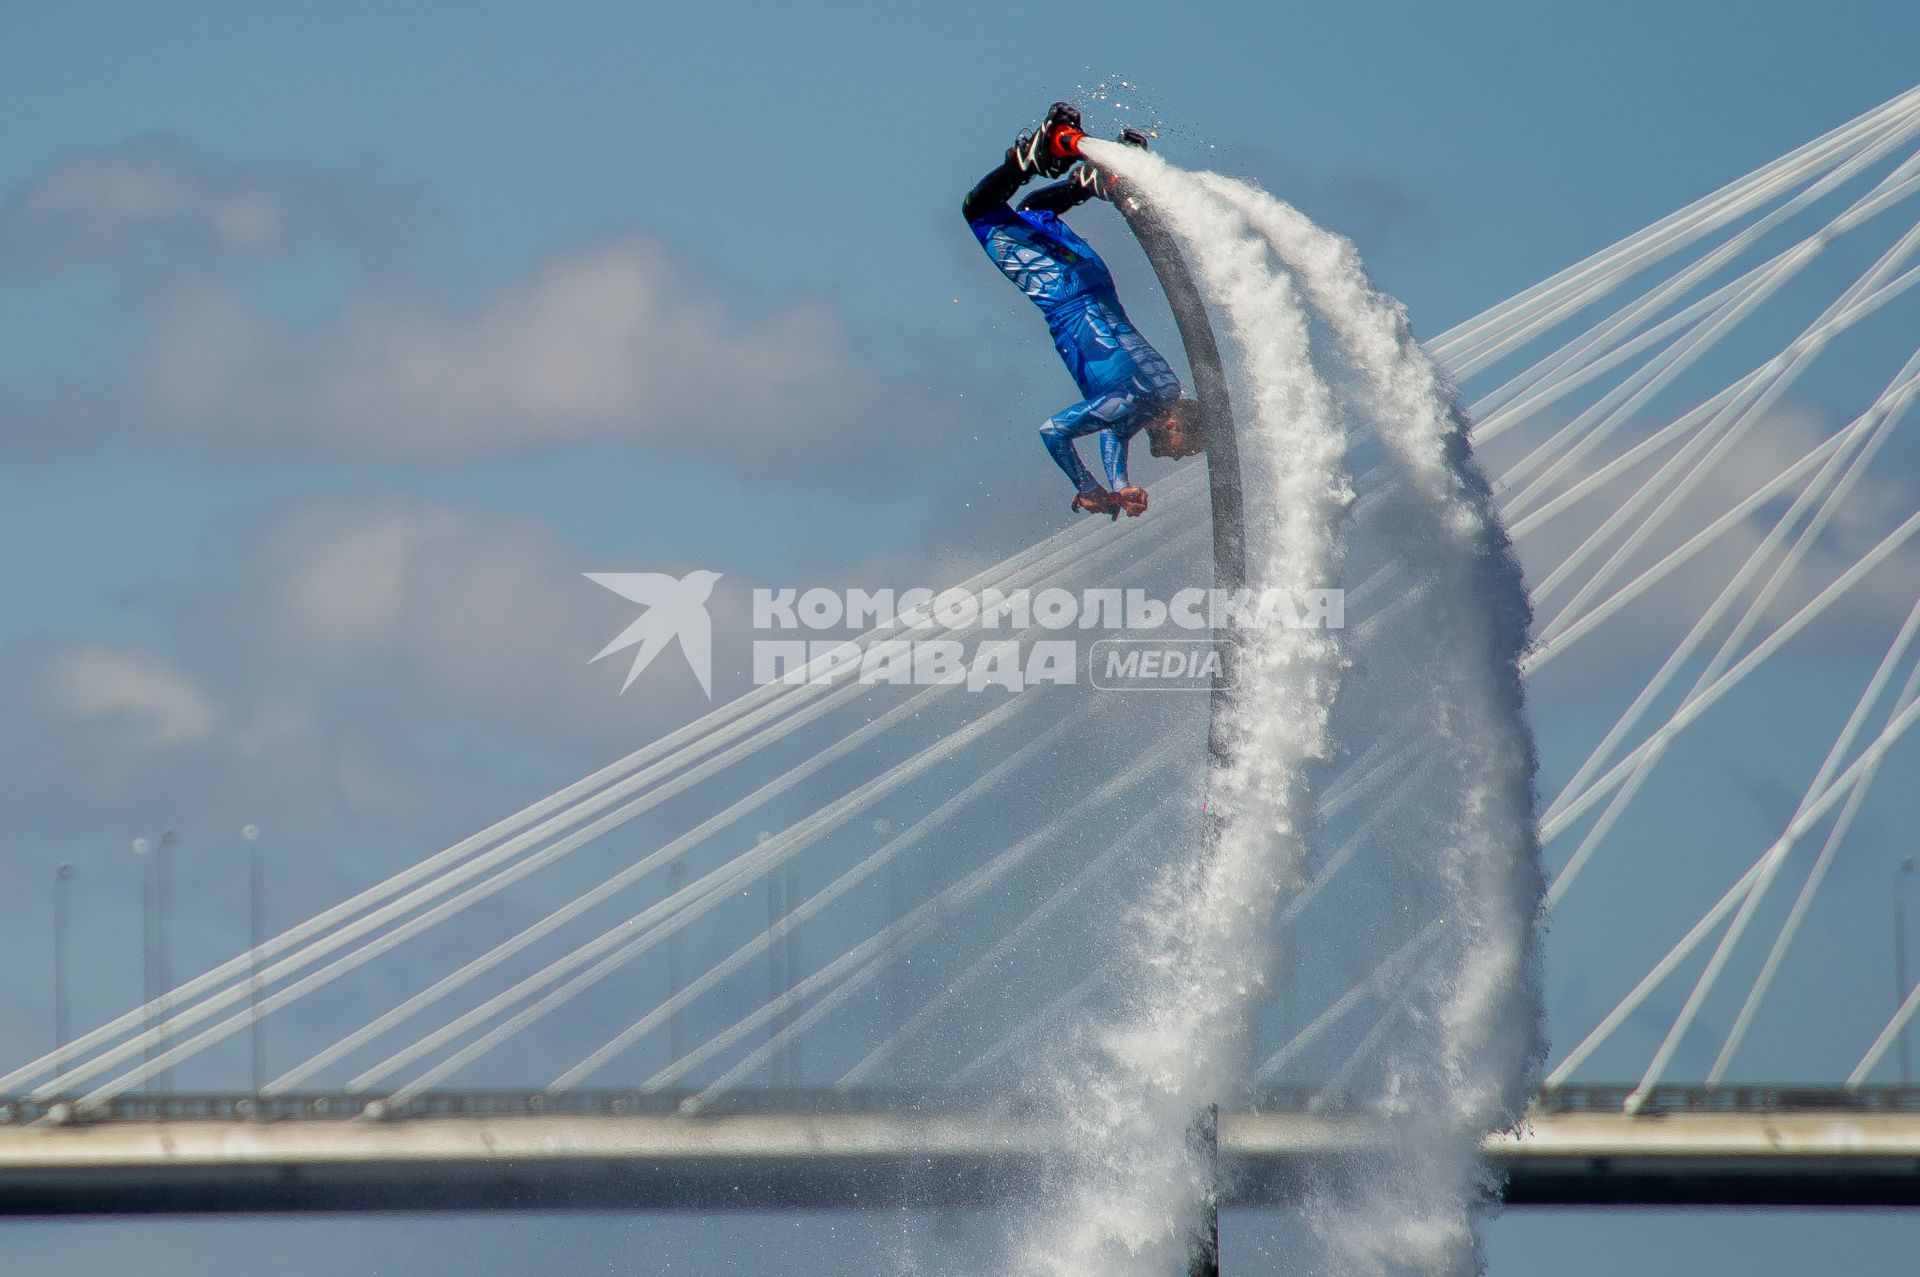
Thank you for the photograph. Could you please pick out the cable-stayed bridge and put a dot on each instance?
(1694, 437)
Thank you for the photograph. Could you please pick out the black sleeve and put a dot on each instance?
(997, 187)
(1057, 198)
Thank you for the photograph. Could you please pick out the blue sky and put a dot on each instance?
(197, 422)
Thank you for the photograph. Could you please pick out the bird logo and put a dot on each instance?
(675, 608)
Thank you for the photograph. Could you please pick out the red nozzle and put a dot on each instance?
(1063, 143)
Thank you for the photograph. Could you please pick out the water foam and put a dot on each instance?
(1204, 951)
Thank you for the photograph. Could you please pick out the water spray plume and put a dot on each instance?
(1462, 1057)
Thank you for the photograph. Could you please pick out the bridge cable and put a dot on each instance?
(906, 841)
(1895, 400)
(1899, 393)
(1467, 346)
(1361, 779)
(1556, 823)
(1844, 784)
(1575, 362)
(841, 693)
(1742, 297)
(1037, 559)
(1896, 652)
(901, 933)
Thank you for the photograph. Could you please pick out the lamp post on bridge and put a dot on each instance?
(792, 963)
(155, 966)
(62, 889)
(1900, 958)
(676, 873)
(256, 909)
(143, 849)
(163, 947)
(775, 912)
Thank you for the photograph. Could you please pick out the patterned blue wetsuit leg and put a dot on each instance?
(1116, 418)
(1125, 380)
(1113, 455)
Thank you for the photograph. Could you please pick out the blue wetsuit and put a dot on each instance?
(1125, 381)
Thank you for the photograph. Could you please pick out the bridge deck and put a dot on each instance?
(1853, 1155)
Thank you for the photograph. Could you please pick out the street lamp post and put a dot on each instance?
(675, 873)
(62, 886)
(773, 972)
(149, 889)
(1900, 959)
(792, 946)
(256, 909)
(163, 944)
(897, 969)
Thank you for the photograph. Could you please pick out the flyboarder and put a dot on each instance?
(1127, 385)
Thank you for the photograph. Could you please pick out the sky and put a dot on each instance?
(337, 341)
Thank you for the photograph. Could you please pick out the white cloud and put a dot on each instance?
(386, 664)
(481, 615)
(616, 341)
(118, 201)
(1637, 638)
(386, 667)
(139, 687)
